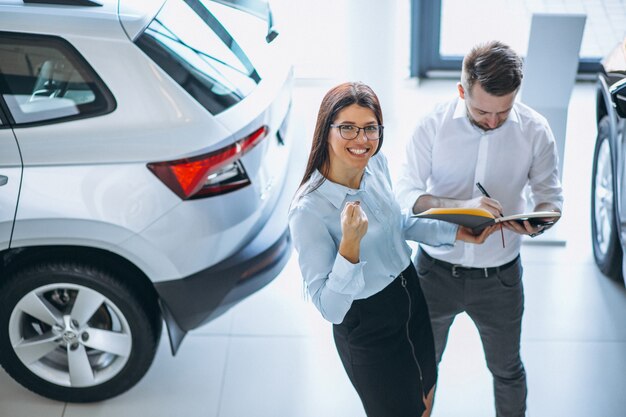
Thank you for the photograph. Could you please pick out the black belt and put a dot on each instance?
(458, 270)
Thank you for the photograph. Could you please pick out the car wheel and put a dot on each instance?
(604, 231)
(74, 332)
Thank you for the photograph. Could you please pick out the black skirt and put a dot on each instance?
(385, 343)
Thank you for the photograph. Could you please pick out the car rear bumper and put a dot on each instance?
(189, 302)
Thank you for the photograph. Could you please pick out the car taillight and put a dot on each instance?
(214, 173)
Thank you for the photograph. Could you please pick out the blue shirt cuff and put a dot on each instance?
(448, 233)
(346, 278)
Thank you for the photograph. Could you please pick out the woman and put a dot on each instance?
(350, 237)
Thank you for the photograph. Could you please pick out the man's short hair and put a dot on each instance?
(495, 66)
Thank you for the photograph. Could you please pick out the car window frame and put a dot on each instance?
(80, 64)
(216, 26)
(210, 22)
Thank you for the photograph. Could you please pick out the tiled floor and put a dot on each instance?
(273, 355)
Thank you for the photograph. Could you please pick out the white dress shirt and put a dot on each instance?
(315, 224)
(447, 155)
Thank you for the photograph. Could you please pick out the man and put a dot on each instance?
(484, 137)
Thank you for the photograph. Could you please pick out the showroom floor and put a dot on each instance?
(273, 355)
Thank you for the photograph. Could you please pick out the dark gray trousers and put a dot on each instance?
(495, 303)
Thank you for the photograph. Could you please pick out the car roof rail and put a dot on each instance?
(88, 3)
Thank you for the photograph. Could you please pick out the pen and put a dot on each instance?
(482, 190)
(486, 194)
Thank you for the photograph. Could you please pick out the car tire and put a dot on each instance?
(604, 223)
(75, 332)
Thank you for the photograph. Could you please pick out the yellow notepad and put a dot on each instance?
(477, 218)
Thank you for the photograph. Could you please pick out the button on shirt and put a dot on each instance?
(448, 155)
(315, 223)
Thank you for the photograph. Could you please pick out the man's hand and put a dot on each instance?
(492, 206)
(525, 228)
(353, 227)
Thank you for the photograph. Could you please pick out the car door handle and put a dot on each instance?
(3, 180)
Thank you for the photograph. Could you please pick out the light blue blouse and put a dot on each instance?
(315, 223)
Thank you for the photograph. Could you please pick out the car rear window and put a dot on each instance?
(191, 45)
(44, 79)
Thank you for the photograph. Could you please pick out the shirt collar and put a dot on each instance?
(336, 193)
(460, 111)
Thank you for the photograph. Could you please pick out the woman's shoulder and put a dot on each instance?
(306, 214)
(304, 202)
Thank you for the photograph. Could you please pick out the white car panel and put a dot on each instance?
(102, 22)
(191, 246)
(10, 178)
(122, 198)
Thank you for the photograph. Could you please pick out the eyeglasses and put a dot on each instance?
(350, 132)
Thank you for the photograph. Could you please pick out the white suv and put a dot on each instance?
(144, 176)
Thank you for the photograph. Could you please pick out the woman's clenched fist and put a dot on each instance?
(353, 228)
(353, 221)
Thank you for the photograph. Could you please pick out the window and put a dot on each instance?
(188, 42)
(440, 29)
(44, 79)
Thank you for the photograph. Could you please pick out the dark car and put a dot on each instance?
(608, 187)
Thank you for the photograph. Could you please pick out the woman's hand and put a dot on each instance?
(465, 234)
(353, 228)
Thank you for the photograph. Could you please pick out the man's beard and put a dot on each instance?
(478, 125)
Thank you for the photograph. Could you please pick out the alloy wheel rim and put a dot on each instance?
(603, 198)
(70, 335)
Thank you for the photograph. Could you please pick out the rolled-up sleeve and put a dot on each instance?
(332, 281)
